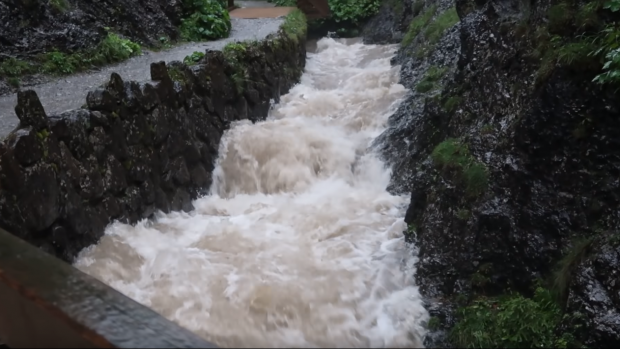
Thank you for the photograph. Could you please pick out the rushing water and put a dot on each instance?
(299, 244)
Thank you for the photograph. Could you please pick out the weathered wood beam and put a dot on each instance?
(46, 303)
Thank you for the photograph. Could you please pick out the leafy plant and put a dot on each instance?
(204, 20)
(511, 321)
(610, 49)
(194, 58)
(353, 11)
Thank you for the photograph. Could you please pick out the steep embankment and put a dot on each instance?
(60, 37)
(509, 151)
(137, 147)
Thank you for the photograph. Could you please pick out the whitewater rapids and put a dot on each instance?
(299, 244)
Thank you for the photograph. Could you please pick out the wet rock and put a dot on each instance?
(33, 27)
(30, 111)
(594, 293)
(135, 148)
(550, 176)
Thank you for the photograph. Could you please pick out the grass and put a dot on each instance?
(453, 156)
(429, 81)
(418, 24)
(111, 50)
(436, 28)
(511, 321)
(295, 24)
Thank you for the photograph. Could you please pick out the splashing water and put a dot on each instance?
(299, 244)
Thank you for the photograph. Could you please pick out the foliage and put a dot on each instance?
(204, 20)
(418, 23)
(111, 50)
(194, 58)
(452, 155)
(610, 49)
(353, 11)
(451, 104)
(295, 24)
(428, 83)
(511, 321)
(434, 31)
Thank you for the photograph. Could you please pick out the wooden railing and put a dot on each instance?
(46, 303)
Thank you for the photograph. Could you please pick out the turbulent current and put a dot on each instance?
(299, 244)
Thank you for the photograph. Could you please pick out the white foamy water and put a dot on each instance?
(299, 244)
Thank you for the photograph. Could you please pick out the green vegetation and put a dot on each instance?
(418, 23)
(429, 82)
(511, 321)
(444, 21)
(194, 58)
(581, 41)
(451, 104)
(353, 11)
(111, 50)
(294, 27)
(575, 254)
(295, 24)
(453, 156)
(204, 20)
(59, 5)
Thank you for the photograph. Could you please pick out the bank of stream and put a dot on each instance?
(298, 243)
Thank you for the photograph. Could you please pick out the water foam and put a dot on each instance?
(299, 244)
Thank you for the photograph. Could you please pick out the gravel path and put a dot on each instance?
(69, 92)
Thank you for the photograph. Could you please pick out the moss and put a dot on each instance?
(433, 323)
(486, 129)
(574, 255)
(451, 104)
(430, 79)
(463, 214)
(418, 5)
(13, 82)
(295, 24)
(436, 28)
(560, 17)
(418, 24)
(59, 5)
(176, 74)
(453, 156)
(577, 55)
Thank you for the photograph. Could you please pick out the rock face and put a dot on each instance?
(548, 146)
(30, 27)
(138, 147)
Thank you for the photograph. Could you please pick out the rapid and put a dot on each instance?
(299, 243)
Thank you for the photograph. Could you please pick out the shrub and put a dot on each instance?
(204, 20)
(194, 58)
(511, 321)
(353, 11)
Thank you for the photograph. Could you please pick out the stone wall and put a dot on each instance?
(137, 147)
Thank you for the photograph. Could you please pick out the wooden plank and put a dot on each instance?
(46, 303)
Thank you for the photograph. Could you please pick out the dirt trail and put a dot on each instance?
(69, 92)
